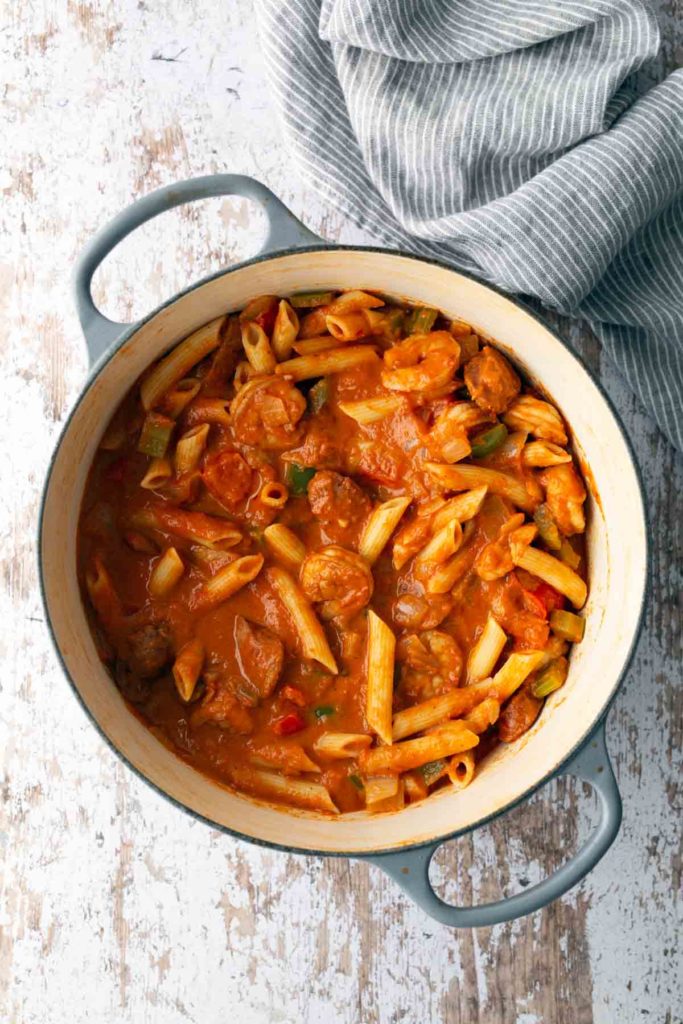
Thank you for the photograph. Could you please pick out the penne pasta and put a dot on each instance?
(166, 573)
(380, 787)
(300, 792)
(390, 803)
(442, 545)
(537, 417)
(380, 677)
(347, 326)
(289, 758)
(552, 571)
(443, 578)
(285, 330)
(228, 581)
(370, 410)
(341, 745)
(402, 757)
(321, 364)
(379, 527)
(484, 715)
(190, 448)
(274, 494)
(539, 454)
(158, 473)
(309, 346)
(102, 594)
(208, 410)
(179, 361)
(486, 652)
(462, 507)
(464, 477)
(461, 769)
(178, 397)
(285, 545)
(257, 347)
(194, 526)
(187, 668)
(311, 634)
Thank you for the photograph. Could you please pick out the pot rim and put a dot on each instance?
(97, 369)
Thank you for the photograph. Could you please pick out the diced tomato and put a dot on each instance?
(266, 319)
(289, 724)
(534, 605)
(550, 598)
(294, 694)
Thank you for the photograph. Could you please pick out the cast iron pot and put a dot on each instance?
(569, 736)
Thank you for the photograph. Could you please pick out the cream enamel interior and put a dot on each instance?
(616, 541)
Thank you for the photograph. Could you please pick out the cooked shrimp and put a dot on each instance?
(495, 560)
(266, 412)
(432, 663)
(340, 581)
(565, 495)
(411, 611)
(421, 363)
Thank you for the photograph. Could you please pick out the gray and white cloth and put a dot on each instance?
(509, 138)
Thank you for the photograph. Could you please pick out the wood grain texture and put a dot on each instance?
(117, 908)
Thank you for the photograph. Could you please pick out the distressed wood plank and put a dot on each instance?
(117, 908)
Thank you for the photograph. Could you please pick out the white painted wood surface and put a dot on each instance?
(116, 907)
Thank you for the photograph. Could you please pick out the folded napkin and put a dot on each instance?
(509, 138)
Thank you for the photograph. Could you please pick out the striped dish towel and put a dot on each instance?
(508, 138)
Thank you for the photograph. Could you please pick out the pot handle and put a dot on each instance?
(411, 869)
(284, 232)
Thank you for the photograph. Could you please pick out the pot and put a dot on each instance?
(568, 738)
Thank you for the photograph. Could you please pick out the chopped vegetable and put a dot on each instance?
(534, 605)
(569, 556)
(298, 478)
(420, 320)
(486, 443)
(432, 771)
(547, 528)
(289, 724)
(308, 300)
(294, 694)
(318, 395)
(394, 319)
(550, 598)
(155, 435)
(356, 781)
(324, 711)
(551, 678)
(568, 626)
(261, 311)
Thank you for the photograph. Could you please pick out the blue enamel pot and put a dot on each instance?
(569, 736)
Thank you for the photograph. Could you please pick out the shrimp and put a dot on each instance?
(565, 495)
(340, 581)
(266, 412)
(495, 560)
(422, 362)
(432, 664)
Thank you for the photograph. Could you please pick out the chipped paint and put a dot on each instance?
(115, 907)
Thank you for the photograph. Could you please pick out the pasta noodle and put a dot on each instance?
(285, 544)
(285, 330)
(322, 364)
(341, 745)
(381, 523)
(380, 675)
(311, 634)
(300, 792)
(370, 410)
(552, 571)
(486, 651)
(179, 361)
(274, 494)
(158, 473)
(190, 449)
(187, 668)
(228, 581)
(257, 347)
(463, 477)
(166, 573)
(413, 753)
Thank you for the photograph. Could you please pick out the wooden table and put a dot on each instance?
(116, 907)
